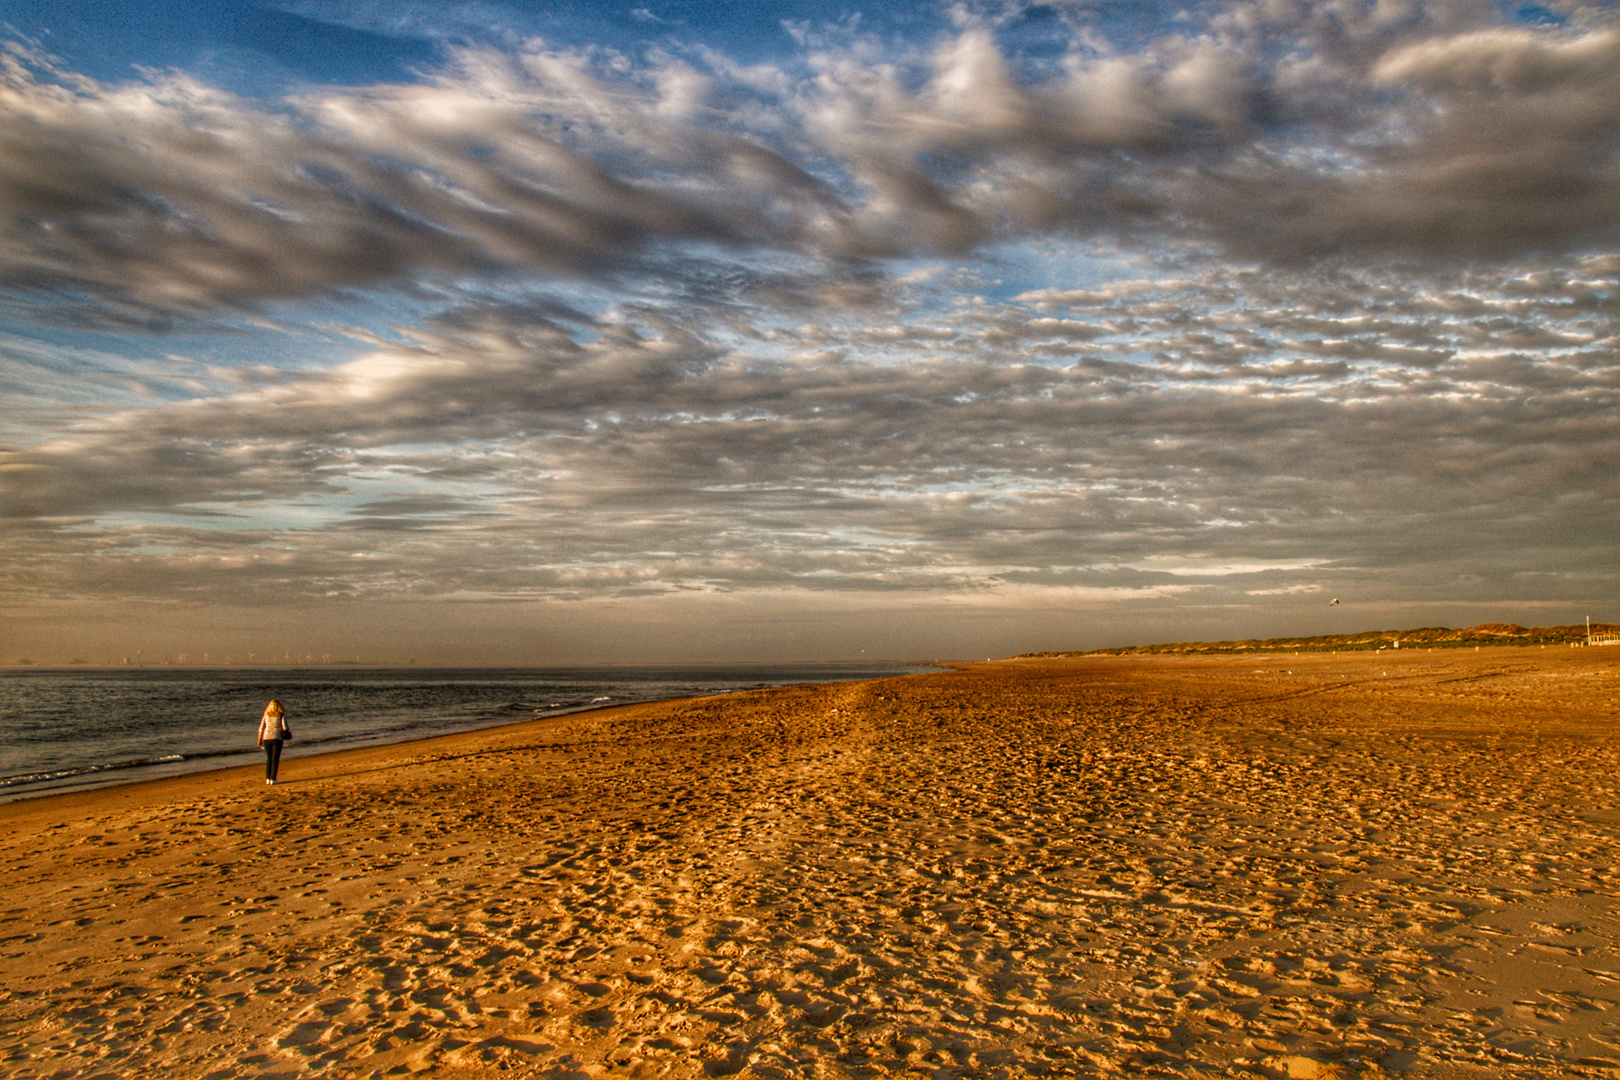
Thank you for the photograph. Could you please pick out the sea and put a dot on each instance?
(72, 729)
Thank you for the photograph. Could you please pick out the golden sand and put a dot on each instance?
(1273, 866)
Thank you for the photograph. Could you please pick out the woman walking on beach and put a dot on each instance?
(273, 731)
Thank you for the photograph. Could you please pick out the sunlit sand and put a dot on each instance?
(1268, 866)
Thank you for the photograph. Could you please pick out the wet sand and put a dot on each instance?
(1396, 864)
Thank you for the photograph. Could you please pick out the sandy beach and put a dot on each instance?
(1304, 866)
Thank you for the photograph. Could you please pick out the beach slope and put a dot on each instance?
(1267, 866)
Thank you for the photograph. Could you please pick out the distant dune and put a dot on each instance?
(1427, 637)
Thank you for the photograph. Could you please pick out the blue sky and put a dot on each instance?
(533, 333)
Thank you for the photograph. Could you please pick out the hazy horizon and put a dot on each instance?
(215, 660)
(552, 333)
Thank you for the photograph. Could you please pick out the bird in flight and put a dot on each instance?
(1334, 602)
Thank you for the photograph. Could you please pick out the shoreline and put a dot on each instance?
(256, 765)
(169, 759)
(1275, 867)
(228, 778)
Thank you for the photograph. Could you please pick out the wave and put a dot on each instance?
(59, 775)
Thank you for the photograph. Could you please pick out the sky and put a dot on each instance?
(542, 333)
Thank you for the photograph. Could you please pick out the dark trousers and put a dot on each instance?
(272, 758)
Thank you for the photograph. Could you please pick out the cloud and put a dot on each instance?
(617, 459)
(167, 198)
(1222, 311)
(1503, 60)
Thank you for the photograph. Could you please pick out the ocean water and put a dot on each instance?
(69, 730)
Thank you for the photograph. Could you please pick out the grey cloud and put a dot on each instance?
(420, 504)
(168, 198)
(178, 198)
(659, 461)
(1514, 155)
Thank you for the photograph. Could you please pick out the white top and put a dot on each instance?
(274, 727)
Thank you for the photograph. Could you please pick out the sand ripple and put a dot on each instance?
(1269, 867)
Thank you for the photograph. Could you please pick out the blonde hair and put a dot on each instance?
(274, 708)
